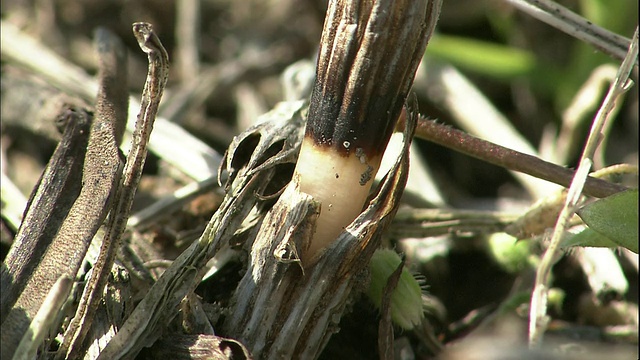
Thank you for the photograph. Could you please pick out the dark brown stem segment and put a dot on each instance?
(510, 159)
(368, 56)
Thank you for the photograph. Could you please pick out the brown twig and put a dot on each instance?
(510, 159)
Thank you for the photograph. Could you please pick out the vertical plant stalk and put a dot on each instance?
(280, 311)
(152, 94)
(368, 56)
(538, 319)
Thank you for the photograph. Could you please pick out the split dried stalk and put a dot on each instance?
(252, 166)
(281, 311)
(283, 308)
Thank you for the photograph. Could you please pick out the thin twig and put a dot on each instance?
(464, 101)
(575, 25)
(507, 158)
(537, 314)
(152, 93)
(421, 223)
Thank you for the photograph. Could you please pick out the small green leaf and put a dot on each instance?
(511, 254)
(587, 238)
(406, 299)
(615, 217)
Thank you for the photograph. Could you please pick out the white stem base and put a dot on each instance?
(341, 184)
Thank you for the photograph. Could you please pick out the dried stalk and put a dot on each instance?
(283, 309)
(283, 312)
(101, 171)
(422, 223)
(368, 56)
(252, 162)
(153, 90)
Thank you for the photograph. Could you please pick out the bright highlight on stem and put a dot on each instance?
(340, 183)
(367, 59)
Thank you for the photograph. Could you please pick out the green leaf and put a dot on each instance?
(483, 57)
(511, 254)
(587, 238)
(615, 217)
(406, 299)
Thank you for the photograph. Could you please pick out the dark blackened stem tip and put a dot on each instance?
(367, 61)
